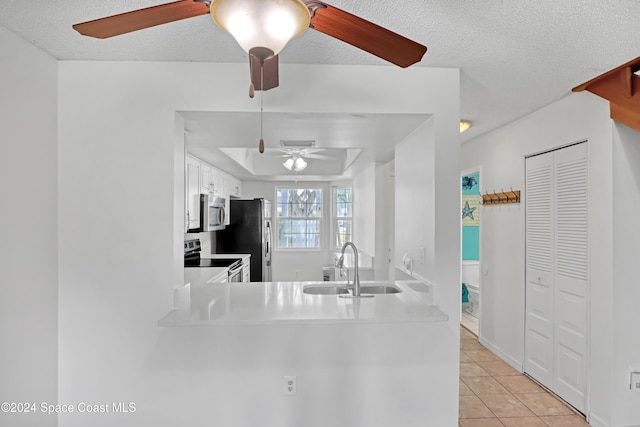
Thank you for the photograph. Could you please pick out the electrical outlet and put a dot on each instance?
(423, 254)
(407, 262)
(290, 384)
(297, 274)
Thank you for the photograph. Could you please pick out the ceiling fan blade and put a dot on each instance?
(312, 150)
(364, 35)
(270, 72)
(274, 152)
(140, 19)
(316, 156)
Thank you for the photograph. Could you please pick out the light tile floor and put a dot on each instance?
(493, 394)
(470, 322)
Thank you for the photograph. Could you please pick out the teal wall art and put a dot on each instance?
(471, 217)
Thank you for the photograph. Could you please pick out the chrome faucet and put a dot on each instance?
(356, 277)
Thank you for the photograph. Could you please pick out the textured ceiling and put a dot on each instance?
(514, 56)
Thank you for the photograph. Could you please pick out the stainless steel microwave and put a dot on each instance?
(212, 213)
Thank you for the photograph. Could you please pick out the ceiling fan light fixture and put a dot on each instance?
(299, 164)
(261, 23)
(288, 163)
(295, 163)
(464, 125)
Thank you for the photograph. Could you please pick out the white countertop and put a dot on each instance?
(202, 275)
(226, 256)
(259, 303)
(199, 275)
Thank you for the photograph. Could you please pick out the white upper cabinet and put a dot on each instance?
(192, 193)
(215, 177)
(206, 178)
(232, 185)
(202, 178)
(211, 180)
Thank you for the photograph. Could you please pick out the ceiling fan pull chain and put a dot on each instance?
(261, 146)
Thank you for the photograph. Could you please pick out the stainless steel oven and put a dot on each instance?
(192, 258)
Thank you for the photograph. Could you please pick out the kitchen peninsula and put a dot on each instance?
(202, 301)
(371, 362)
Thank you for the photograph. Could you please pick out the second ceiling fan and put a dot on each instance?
(263, 28)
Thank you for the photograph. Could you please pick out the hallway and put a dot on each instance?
(493, 394)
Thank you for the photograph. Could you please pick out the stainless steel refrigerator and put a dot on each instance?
(249, 232)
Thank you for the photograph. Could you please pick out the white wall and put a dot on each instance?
(29, 229)
(119, 254)
(414, 201)
(364, 210)
(626, 284)
(384, 208)
(501, 155)
(427, 205)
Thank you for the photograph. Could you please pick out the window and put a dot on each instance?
(299, 217)
(342, 215)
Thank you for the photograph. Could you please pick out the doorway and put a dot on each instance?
(470, 248)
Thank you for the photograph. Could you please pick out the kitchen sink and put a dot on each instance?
(342, 290)
(379, 289)
(325, 290)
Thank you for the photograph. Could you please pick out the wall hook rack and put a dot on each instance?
(501, 198)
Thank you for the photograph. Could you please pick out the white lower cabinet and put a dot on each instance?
(246, 271)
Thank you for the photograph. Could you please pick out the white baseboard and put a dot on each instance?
(514, 363)
(595, 421)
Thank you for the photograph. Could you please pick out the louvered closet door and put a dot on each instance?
(571, 274)
(539, 290)
(556, 274)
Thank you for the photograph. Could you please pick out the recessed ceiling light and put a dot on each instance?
(464, 125)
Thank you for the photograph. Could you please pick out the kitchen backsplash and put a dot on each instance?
(207, 240)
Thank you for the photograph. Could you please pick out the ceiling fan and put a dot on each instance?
(296, 152)
(296, 157)
(263, 28)
(299, 148)
(309, 153)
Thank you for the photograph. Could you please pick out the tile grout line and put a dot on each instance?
(510, 393)
(479, 398)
